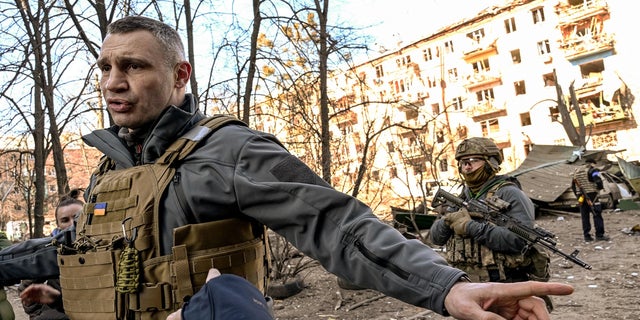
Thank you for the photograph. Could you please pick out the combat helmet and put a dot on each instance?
(480, 146)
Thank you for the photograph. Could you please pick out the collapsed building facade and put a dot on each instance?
(499, 74)
(524, 73)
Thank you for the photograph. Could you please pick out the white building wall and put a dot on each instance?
(538, 98)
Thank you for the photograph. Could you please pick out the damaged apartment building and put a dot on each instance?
(496, 74)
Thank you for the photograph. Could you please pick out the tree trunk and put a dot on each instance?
(325, 137)
(257, 20)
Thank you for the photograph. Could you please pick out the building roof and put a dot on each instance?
(547, 171)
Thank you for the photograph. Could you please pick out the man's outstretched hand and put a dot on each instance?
(499, 301)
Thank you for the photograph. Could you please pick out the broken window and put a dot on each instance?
(448, 46)
(544, 47)
(538, 15)
(485, 95)
(519, 87)
(592, 69)
(549, 79)
(379, 71)
(427, 54)
(435, 108)
(457, 103)
(440, 136)
(432, 81)
(476, 35)
(525, 119)
(490, 126)
(481, 66)
(510, 24)
(453, 74)
(444, 165)
(403, 61)
(411, 113)
(515, 56)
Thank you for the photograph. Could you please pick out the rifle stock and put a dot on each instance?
(492, 210)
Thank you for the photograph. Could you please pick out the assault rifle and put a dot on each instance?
(492, 210)
(584, 195)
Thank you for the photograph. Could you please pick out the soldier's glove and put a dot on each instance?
(458, 221)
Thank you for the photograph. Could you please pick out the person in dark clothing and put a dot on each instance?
(6, 309)
(67, 210)
(586, 185)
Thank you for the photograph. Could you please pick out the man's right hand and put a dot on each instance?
(499, 301)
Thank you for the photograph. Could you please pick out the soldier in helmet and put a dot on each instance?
(486, 252)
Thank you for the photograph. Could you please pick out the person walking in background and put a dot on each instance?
(484, 251)
(174, 184)
(586, 185)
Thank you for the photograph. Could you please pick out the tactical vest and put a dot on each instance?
(115, 270)
(467, 254)
(582, 176)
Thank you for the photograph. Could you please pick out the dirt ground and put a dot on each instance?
(609, 291)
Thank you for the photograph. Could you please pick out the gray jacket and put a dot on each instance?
(242, 172)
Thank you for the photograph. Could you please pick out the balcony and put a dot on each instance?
(501, 138)
(580, 47)
(590, 85)
(485, 110)
(482, 79)
(604, 118)
(479, 49)
(568, 14)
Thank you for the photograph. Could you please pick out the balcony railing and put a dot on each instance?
(486, 109)
(589, 8)
(575, 48)
(601, 115)
(476, 48)
(499, 137)
(477, 79)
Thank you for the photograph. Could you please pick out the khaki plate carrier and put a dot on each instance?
(116, 271)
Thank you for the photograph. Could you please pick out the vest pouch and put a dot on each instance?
(539, 268)
(89, 274)
(231, 246)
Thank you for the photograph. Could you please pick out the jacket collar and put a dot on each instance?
(171, 124)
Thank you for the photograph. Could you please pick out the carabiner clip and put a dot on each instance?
(134, 232)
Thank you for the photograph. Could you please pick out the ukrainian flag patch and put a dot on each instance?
(100, 209)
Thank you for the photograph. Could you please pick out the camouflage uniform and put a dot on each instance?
(487, 252)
